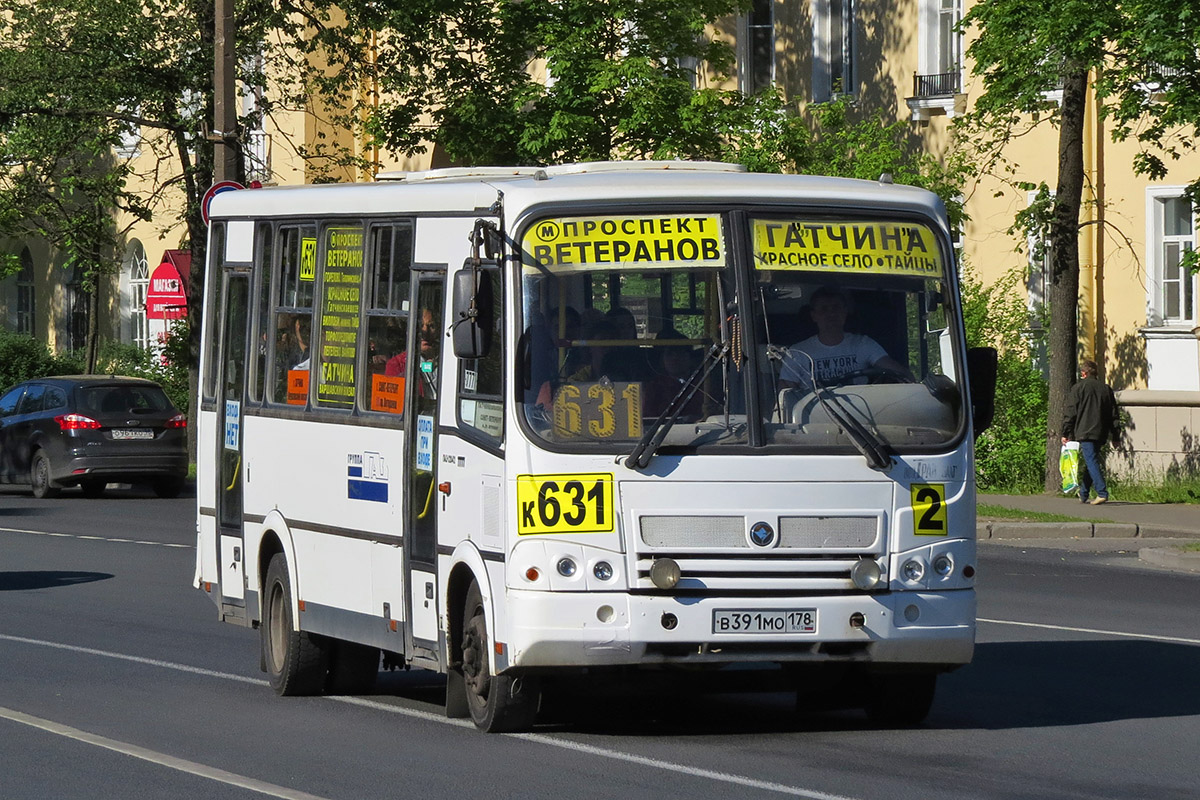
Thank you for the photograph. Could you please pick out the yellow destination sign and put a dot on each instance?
(891, 248)
(627, 242)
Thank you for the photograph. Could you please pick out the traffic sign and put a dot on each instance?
(213, 191)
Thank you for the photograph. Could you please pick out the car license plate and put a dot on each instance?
(119, 433)
(803, 621)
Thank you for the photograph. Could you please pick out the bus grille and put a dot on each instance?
(814, 554)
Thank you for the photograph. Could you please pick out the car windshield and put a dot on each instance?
(637, 327)
(122, 399)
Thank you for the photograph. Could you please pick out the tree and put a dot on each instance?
(1026, 48)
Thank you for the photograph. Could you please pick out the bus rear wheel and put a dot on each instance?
(497, 703)
(296, 661)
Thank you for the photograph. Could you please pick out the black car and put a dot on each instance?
(88, 430)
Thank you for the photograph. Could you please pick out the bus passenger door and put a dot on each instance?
(423, 381)
(231, 548)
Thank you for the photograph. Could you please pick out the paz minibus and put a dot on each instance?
(525, 425)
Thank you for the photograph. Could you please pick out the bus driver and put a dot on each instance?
(832, 354)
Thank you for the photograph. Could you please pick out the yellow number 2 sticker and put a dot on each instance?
(581, 503)
(929, 509)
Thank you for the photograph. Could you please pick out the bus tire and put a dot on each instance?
(497, 703)
(900, 699)
(39, 477)
(296, 660)
(353, 668)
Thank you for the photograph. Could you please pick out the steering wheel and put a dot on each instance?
(874, 374)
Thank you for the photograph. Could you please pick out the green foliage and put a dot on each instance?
(1010, 455)
(22, 357)
(166, 366)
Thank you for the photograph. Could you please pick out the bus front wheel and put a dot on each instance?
(497, 703)
(296, 661)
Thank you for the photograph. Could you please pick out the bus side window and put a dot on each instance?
(292, 316)
(263, 343)
(389, 254)
(481, 380)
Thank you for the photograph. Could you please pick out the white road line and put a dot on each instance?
(97, 538)
(161, 759)
(1149, 636)
(616, 755)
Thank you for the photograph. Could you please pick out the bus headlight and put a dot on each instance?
(602, 570)
(913, 570)
(943, 564)
(566, 567)
(866, 574)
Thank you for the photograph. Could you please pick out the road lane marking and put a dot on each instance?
(537, 738)
(152, 662)
(1122, 634)
(97, 538)
(154, 757)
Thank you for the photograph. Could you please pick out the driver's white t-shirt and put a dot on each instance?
(829, 363)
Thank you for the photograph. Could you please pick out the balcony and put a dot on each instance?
(940, 92)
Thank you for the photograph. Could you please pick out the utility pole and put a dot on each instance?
(224, 135)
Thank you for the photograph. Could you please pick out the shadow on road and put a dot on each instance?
(47, 579)
(1050, 684)
(1009, 685)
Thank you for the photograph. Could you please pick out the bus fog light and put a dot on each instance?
(912, 613)
(603, 571)
(566, 567)
(605, 613)
(913, 570)
(665, 573)
(943, 565)
(866, 574)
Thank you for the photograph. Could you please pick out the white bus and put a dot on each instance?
(520, 425)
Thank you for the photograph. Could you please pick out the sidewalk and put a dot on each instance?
(1155, 528)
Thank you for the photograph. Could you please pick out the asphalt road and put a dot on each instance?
(118, 682)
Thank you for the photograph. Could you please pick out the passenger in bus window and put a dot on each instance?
(427, 347)
(301, 332)
(833, 354)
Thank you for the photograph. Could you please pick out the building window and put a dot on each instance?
(833, 49)
(139, 283)
(756, 51)
(25, 296)
(938, 79)
(1171, 236)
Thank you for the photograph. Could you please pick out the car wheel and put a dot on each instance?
(168, 487)
(93, 488)
(39, 477)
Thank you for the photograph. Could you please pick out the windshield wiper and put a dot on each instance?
(863, 438)
(641, 454)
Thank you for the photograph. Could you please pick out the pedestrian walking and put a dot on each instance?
(1091, 418)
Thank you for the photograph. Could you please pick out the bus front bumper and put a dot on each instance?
(567, 629)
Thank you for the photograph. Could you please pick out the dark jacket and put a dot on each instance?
(1091, 412)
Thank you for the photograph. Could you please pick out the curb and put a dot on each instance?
(1077, 530)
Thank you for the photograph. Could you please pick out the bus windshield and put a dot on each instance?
(838, 336)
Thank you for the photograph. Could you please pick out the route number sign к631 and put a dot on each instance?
(577, 503)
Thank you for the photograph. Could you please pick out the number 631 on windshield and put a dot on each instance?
(572, 503)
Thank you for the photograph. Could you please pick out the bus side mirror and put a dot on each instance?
(982, 365)
(473, 313)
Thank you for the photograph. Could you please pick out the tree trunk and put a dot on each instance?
(1064, 263)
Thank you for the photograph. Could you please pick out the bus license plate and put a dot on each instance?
(802, 621)
(132, 434)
